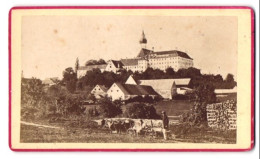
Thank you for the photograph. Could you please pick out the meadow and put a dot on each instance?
(87, 131)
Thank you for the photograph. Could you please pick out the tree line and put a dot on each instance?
(105, 78)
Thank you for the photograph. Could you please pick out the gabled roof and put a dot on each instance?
(173, 53)
(164, 84)
(91, 67)
(144, 52)
(104, 88)
(131, 80)
(129, 62)
(182, 81)
(118, 64)
(130, 89)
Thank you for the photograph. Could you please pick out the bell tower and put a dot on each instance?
(143, 41)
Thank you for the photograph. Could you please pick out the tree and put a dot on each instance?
(108, 108)
(170, 72)
(95, 62)
(141, 111)
(70, 79)
(202, 95)
(229, 81)
(34, 101)
(69, 104)
(31, 91)
(188, 73)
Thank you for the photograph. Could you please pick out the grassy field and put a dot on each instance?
(173, 108)
(32, 134)
(68, 131)
(84, 133)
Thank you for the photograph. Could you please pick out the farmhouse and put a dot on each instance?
(82, 70)
(167, 88)
(99, 91)
(127, 91)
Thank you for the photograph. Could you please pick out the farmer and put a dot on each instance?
(165, 124)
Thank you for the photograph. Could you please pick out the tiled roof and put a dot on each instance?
(172, 52)
(164, 84)
(90, 67)
(104, 88)
(145, 52)
(129, 62)
(118, 64)
(130, 89)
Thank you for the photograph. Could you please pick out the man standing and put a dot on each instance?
(165, 124)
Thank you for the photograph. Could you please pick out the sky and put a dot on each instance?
(52, 43)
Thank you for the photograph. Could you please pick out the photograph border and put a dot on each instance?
(140, 7)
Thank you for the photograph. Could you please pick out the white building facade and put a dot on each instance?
(157, 60)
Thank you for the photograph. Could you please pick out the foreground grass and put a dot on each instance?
(173, 107)
(81, 134)
(33, 134)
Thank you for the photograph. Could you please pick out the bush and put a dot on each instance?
(108, 109)
(180, 97)
(140, 110)
(145, 99)
(92, 112)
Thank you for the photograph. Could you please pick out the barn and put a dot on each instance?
(127, 91)
(166, 88)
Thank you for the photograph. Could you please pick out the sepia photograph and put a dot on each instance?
(131, 78)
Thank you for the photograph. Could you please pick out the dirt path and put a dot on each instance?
(39, 125)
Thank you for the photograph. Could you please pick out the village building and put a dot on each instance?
(157, 59)
(99, 91)
(82, 70)
(145, 59)
(127, 91)
(225, 92)
(114, 66)
(166, 88)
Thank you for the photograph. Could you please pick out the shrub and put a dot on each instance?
(108, 109)
(180, 97)
(92, 112)
(145, 99)
(140, 110)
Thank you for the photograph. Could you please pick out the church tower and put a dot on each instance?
(143, 41)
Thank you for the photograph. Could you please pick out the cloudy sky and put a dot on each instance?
(52, 43)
